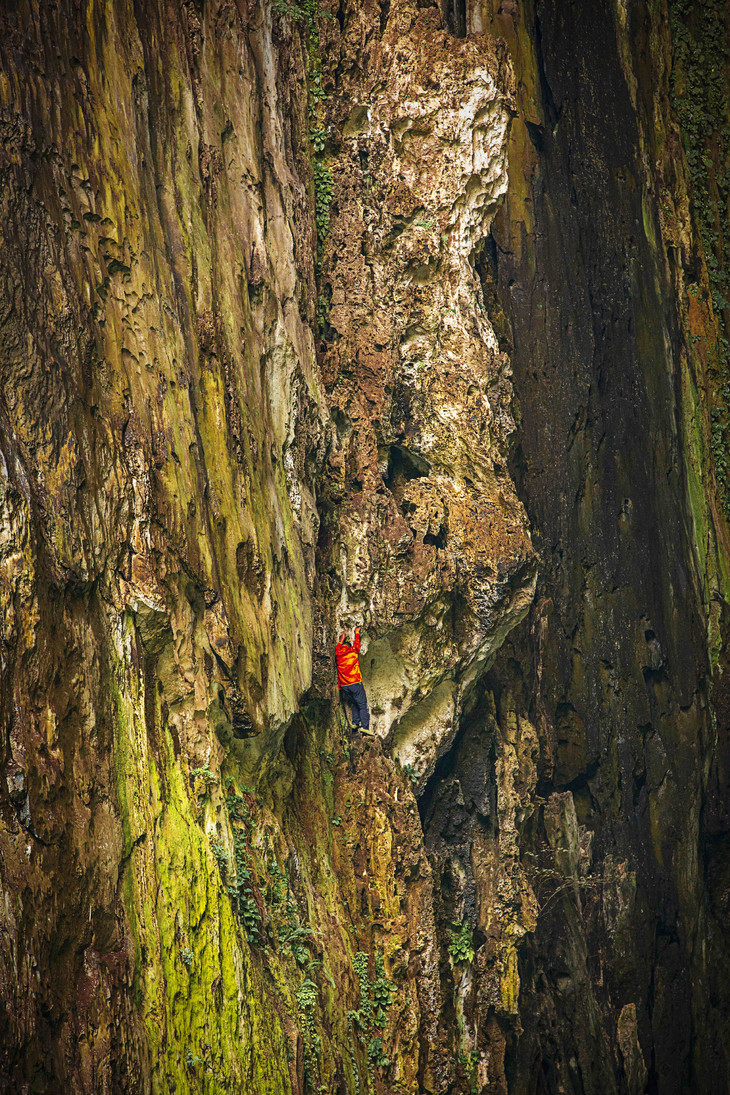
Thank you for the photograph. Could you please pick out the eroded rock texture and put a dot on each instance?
(388, 313)
(161, 428)
(614, 342)
(430, 535)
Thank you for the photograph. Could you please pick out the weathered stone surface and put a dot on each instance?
(161, 431)
(433, 542)
(597, 265)
(241, 406)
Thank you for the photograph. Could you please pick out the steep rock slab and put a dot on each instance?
(432, 542)
(160, 433)
(162, 430)
(598, 262)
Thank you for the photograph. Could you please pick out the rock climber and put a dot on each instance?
(349, 680)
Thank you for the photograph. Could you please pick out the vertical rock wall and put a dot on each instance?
(376, 312)
(195, 863)
(430, 535)
(160, 432)
(604, 695)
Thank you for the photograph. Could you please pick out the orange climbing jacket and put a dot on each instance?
(348, 663)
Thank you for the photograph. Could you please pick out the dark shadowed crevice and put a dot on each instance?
(445, 768)
(438, 540)
(403, 465)
(471, 759)
(552, 112)
(454, 13)
(485, 260)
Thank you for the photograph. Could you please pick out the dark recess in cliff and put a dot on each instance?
(616, 673)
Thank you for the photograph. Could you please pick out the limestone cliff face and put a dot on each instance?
(161, 429)
(382, 313)
(432, 541)
(617, 346)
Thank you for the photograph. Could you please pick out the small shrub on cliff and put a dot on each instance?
(294, 938)
(238, 876)
(209, 778)
(288, 9)
(460, 947)
(248, 910)
(306, 996)
(382, 994)
(363, 1016)
(376, 1056)
(411, 772)
(221, 855)
(372, 1015)
(318, 137)
(323, 190)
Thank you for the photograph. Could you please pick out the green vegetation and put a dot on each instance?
(372, 1015)
(307, 13)
(192, 1061)
(306, 1001)
(293, 938)
(411, 772)
(204, 773)
(241, 886)
(222, 858)
(701, 98)
(323, 191)
(304, 12)
(318, 137)
(382, 993)
(273, 918)
(364, 1014)
(376, 1057)
(469, 1063)
(460, 946)
(205, 776)
(323, 181)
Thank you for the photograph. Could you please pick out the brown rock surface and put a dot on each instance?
(304, 308)
(433, 542)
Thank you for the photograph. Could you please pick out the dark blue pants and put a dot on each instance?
(354, 694)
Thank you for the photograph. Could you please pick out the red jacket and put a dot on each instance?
(348, 663)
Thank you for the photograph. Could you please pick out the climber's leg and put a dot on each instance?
(347, 701)
(361, 714)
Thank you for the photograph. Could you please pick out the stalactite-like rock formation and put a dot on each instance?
(389, 313)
